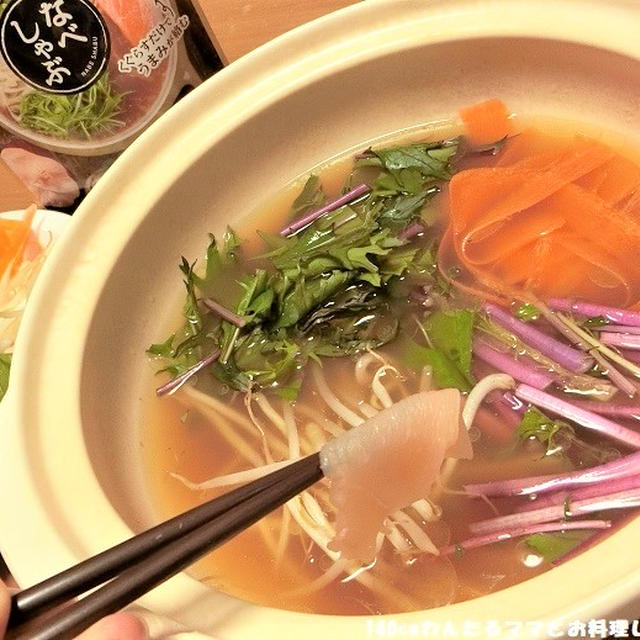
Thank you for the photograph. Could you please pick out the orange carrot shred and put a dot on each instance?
(486, 122)
(614, 181)
(557, 217)
(14, 235)
(631, 208)
(526, 144)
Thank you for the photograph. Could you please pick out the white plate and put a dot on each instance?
(47, 223)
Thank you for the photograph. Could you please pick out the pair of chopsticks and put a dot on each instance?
(135, 566)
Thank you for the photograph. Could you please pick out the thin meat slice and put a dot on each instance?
(43, 175)
(389, 462)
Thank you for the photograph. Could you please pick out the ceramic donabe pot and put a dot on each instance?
(70, 426)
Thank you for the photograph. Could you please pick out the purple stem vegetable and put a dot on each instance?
(613, 314)
(624, 340)
(631, 411)
(348, 197)
(622, 467)
(593, 540)
(411, 231)
(224, 313)
(515, 403)
(620, 500)
(518, 369)
(519, 532)
(582, 417)
(510, 413)
(582, 493)
(175, 383)
(422, 295)
(561, 327)
(566, 356)
(618, 328)
(618, 379)
(631, 356)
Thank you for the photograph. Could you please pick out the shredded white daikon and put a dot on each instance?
(14, 291)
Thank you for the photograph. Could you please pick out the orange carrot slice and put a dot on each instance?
(505, 240)
(14, 235)
(560, 221)
(484, 197)
(614, 181)
(486, 122)
(631, 208)
(528, 143)
(453, 269)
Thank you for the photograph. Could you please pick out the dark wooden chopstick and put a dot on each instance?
(96, 570)
(141, 563)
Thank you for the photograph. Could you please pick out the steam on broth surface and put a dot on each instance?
(418, 283)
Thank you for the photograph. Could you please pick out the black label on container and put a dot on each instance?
(61, 46)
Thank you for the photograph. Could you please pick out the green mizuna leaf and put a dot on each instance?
(5, 367)
(399, 261)
(403, 209)
(535, 424)
(308, 294)
(552, 546)
(430, 159)
(450, 332)
(393, 183)
(596, 322)
(326, 290)
(449, 353)
(290, 391)
(163, 349)
(95, 111)
(311, 197)
(445, 372)
(258, 295)
(560, 438)
(342, 229)
(527, 312)
(190, 308)
(217, 261)
(265, 359)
